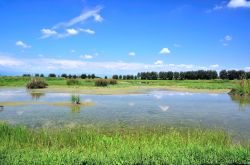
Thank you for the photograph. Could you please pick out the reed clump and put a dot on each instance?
(105, 82)
(36, 83)
(242, 89)
(73, 82)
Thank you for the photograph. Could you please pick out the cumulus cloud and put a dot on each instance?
(48, 33)
(86, 56)
(158, 62)
(72, 31)
(131, 54)
(22, 44)
(9, 62)
(165, 51)
(247, 68)
(238, 4)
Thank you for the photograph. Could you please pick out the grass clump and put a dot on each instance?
(73, 82)
(243, 88)
(75, 99)
(92, 145)
(36, 83)
(101, 82)
(105, 82)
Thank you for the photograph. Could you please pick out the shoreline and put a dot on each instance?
(119, 90)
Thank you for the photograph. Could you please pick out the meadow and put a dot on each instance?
(89, 83)
(100, 145)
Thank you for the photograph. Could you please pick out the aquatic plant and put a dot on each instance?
(73, 82)
(242, 89)
(36, 83)
(97, 145)
(75, 99)
(101, 82)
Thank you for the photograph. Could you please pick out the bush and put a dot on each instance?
(36, 83)
(243, 89)
(101, 82)
(73, 82)
(112, 81)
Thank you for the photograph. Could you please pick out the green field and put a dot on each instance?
(92, 145)
(189, 84)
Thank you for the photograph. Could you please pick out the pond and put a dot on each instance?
(156, 107)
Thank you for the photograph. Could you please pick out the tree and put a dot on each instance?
(36, 75)
(248, 75)
(70, 76)
(83, 76)
(223, 75)
(74, 76)
(105, 77)
(124, 77)
(170, 75)
(115, 77)
(92, 76)
(89, 76)
(176, 75)
(52, 75)
(232, 74)
(120, 77)
(64, 75)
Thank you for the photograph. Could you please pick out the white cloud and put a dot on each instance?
(22, 44)
(238, 4)
(214, 66)
(9, 62)
(165, 51)
(63, 29)
(73, 51)
(158, 62)
(247, 68)
(177, 45)
(86, 14)
(89, 31)
(226, 40)
(48, 33)
(86, 56)
(72, 31)
(59, 65)
(131, 54)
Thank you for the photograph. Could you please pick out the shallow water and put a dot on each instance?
(156, 107)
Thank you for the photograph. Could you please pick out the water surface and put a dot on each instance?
(157, 107)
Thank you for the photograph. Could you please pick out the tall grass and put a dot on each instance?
(91, 145)
(243, 88)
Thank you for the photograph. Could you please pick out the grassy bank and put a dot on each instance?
(86, 145)
(90, 83)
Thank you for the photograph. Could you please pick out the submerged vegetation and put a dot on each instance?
(88, 145)
(242, 89)
(36, 83)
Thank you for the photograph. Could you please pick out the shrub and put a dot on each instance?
(75, 99)
(101, 82)
(36, 83)
(112, 81)
(73, 82)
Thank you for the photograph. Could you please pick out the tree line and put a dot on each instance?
(187, 75)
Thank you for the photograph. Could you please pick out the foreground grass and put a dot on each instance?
(190, 84)
(86, 145)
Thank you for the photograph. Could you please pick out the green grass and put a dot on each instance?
(192, 84)
(88, 145)
(242, 89)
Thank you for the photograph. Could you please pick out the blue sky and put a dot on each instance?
(109, 36)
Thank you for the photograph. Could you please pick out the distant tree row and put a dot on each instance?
(124, 77)
(234, 74)
(189, 75)
(82, 76)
